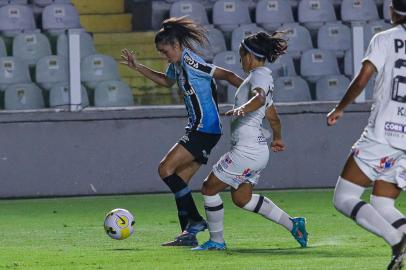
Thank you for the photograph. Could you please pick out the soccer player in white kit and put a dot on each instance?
(378, 158)
(240, 168)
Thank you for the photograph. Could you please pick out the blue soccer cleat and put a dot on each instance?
(210, 245)
(196, 227)
(299, 230)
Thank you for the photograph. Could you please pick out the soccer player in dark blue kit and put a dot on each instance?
(195, 78)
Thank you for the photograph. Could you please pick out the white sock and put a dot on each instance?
(265, 207)
(215, 217)
(347, 200)
(386, 207)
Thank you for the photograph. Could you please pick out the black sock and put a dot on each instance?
(184, 200)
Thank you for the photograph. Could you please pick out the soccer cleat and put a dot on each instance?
(210, 245)
(184, 239)
(299, 230)
(398, 254)
(196, 227)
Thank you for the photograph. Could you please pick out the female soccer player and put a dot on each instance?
(376, 158)
(196, 80)
(241, 166)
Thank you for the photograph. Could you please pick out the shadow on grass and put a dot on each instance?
(126, 249)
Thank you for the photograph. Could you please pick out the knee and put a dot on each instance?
(164, 170)
(240, 202)
(206, 190)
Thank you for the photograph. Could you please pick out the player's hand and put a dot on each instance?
(236, 112)
(277, 146)
(333, 116)
(128, 58)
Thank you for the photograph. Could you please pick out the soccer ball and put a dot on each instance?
(119, 224)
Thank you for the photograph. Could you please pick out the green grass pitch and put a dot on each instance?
(67, 233)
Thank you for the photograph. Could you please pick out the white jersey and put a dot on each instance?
(247, 130)
(387, 123)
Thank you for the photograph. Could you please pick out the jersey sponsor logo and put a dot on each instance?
(395, 127)
(247, 172)
(261, 139)
(387, 163)
(194, 64)
(226, 162)
(185, 138)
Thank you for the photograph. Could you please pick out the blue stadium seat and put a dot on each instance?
(23, 97)
(348, 64)
(217, 43)
(13, 2)
(316, 63)
(113, 93)
(50, 70)
(373, 27)
(56, 18)
(13, 70)
(86, 45)
(385, 10)
(335, 36)
(331, 87)
(44, 3)
(30, 47)
(271, 14)
(3, 51)
(15, 19)
(291, 89)
(314, 13)
(299, 39)
(59, 96)
(229, 60)
(97, 68)
(193, 9)
(359, 10)
(283, 66)
(241, 32)
(229, 14)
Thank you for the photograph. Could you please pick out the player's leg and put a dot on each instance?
(243, 198)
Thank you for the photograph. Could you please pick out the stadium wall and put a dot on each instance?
(117, 151)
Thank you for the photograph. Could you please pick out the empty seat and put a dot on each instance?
(86, 45)
(3, 51)
(359, 10)
(23, 97)
(316, 63)
(58, 17)
(271, 14)
(97, 68)
(59, 96)
(31, 47)
(291, 89)
(283, 66)
(44, 3)
(374, 27)
(12, 71)
(113, 94)
(299, 39)
(229, 60)
(229, 14)
(241, 32)
(192, 9)
(313, 13)
(13, 2)
(331, 87)
(334, 36)
(217, 44)
(50, 70)
(15, 19)
(348, 64)
(385, 9)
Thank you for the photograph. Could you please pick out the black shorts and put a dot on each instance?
(199, 144)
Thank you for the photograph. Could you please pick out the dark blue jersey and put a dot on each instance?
(195, 79)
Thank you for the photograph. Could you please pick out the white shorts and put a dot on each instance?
(242, 165)
(380, 161)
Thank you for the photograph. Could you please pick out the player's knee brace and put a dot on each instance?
(347, 197)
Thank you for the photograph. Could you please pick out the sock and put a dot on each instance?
(386, 208)
(347, 201)
(265, 207)
(184, 200)
(215, 217)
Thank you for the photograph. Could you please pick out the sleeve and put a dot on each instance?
(263, 82)
(170, 72)
(198, 66)
(376, 52)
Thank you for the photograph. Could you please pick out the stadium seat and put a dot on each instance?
(30, 47)
(299, 39)
(331, 87)
(291, 89)
(13, 70)
(97, 68)
(385, 10)
(316, 63)
(229, 14)
(241, 32)
(44, 3)
(217, 44)
(86, 45)
(348, 64)
(271, 14)
(3, 51)
(56, 18)
(59, 96)
(13, 2)
(193, 9)
(229, 60)
(334, 36)
(15, 19)
(359, 10)
(373, 27)
(51, 70)
(25, 96)
(314, 13)
(283, 66)
(113, 94)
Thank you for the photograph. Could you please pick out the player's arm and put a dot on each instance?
(257, 101)
(272, 116)
(353, 91)
(226, 75)
(155, 76)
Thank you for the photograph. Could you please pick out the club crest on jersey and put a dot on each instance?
(387, 163)
(247, 172)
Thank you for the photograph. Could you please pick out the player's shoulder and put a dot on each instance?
(261, 73)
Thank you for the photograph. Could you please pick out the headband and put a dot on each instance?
(251, 51)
